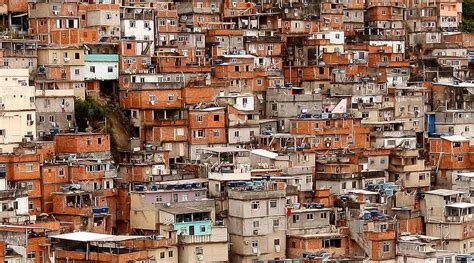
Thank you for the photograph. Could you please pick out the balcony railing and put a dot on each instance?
(218, 234)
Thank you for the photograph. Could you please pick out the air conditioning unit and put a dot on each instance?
(255, 250)
(277, 248)
(255, 232)
(152, 102)
(55, 12)
(67, 59)
(200, 258)
(29, 122)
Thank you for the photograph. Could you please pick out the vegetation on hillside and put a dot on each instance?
(467, 24)
(93, 116)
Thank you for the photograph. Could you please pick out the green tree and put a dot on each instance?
(89, 112)
(467, 24)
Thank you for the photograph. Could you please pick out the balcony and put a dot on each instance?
(459, 212)
(218, 234)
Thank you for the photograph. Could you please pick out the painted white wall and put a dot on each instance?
(396, 45)
(17, 100)
(140, 31)
(101, 70)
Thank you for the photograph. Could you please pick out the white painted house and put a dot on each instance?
(17, 108)
(101, 66)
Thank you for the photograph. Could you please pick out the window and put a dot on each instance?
(296, 218)
(256, 224)
(255, 205)
(309, 216)
(31, 255)
(386, 247)
(170, 253)
(309, 179)
(276, 222)
(77, 55)
(273, 203)
(327, 243)
(199, 118)
(216, 117)
(132, 23)
(421, 177)
(61, 171)
(199, 251)
(274, 107)
(198, 134)
(110, 69)
(29, 167)
(171, 97)
(276, 242)
(159, 199)
(460, 158)
(77, 71)
(324, 215)
(237, 134)
(254, 243)
(89, 142)
(30, 205)
(162, 254)
(203, 229)
(216, 133)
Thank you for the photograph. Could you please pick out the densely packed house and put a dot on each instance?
(300, 131)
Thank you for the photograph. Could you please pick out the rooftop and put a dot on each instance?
(461, 205)
(94, 237)
(443, 192)
(185, 210)
(455, 138)
(264, 153)
(222, 149)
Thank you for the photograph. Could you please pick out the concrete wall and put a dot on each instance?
(212, 252)
(101, 70)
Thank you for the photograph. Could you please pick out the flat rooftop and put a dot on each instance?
(186, 210)
(94, 237)
(222, 149)
(444, 192)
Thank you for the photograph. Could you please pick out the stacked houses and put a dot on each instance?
(236, 131)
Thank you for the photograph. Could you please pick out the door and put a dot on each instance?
(191, 230)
